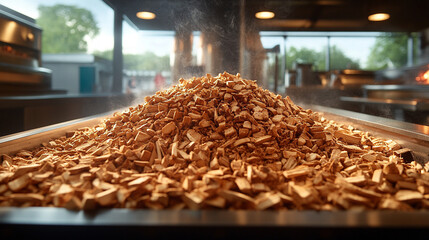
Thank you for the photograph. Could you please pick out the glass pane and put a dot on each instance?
(73, 34)
(390, 50)
(350, 52)
(69, 26)
(146, 59)
(274, 64)
(310, 50)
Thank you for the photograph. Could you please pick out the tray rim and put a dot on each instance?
(53, 216)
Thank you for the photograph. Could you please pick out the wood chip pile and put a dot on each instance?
(215, 142)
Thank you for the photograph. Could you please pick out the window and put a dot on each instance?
(146, 59)
(274, 63)
(349, 50)
(77, 42)
(311, 50)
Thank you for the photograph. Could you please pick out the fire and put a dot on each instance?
(423, 77)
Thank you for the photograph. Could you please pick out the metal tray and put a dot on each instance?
(48, 222)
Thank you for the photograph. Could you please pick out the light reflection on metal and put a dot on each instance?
(9, 30)
(424, 129)
(30, 36)
(423, 77)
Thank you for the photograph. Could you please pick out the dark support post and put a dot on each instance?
(117, 53)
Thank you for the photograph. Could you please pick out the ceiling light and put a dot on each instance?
(146, 15)
(264, 15)
(376, 17)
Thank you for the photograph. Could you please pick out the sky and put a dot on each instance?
(135, 42)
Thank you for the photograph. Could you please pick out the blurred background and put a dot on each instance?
(66, 59)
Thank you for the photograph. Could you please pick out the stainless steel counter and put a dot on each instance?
(20, 113)
(415, 105)
(408, 103)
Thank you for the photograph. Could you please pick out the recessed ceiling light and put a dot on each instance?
(146, 15)
(378, 17)
(264, 15)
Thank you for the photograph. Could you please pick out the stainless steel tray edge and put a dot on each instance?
(271, 218)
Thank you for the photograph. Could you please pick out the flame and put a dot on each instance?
(423, 77)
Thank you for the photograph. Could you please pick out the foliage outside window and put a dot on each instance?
(390, 51)
(347, 51)
(66, 28)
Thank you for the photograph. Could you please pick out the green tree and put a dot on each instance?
(107, 54)
(145, 61)
(304, 55)
(66, 28)
(390, 50)
(340, 61)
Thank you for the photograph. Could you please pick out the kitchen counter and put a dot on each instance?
(409, 103)
(20, 113)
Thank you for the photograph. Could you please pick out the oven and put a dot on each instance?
(21, 71)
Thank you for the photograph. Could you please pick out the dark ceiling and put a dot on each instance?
(291, 15)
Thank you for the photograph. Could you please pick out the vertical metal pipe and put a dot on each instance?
(410, 50)
(284, 67)
(242, 35)
(328, 55)
(118, 62)
(276, 72)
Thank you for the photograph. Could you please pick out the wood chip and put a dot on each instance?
(243, 185)
(139, 181)
(79, 169)
(361, 179)
(408, 196)
(301, 191)
(267, 201)
(230, 132)
(194, 199)
(377, 176)
(218, 202)
(297, 172)
(142, 137)
(233, 196)
(241, 141)
(21, 170)
(262, 139)
(19, 183)
(107, 197)
(193, 136)
(34, 198)
(350, 139)
(168, 128)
